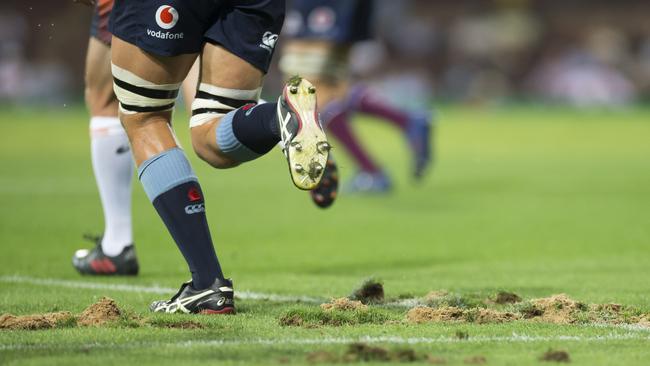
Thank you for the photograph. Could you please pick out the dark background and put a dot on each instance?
(476, 51)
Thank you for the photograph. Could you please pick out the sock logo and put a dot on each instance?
(122, 149)
(194, 195)
(248, 108)
(194, 209)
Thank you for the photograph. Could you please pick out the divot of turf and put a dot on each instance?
(291, 320)
(555, 356)
(174, 324)
(486, 316)
(644, 321)
(102, 312)
(371, 291)
(344, 304)
(504, 297)
(555, 309)
(423, 314)
(361, 353)
(442, 298)
(36, 321)
(558, 309)
(311, 317)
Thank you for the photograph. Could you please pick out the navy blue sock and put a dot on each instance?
(249, 132)
(176, 194)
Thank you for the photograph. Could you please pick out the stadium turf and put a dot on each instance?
(531, 200)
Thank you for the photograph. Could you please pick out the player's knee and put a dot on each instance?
(213, 102)
(137, 95)
(210, 104)
(101, 100)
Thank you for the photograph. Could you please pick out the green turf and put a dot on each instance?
(537, 201)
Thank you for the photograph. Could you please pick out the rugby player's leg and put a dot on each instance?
(111, 160)
(188, 88)
(146, 86)
(222, 94)
(229, 128)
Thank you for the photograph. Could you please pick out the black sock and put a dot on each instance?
(257, 127)
(182, 209)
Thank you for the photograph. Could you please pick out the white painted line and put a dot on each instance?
(514, 338)
(155, 289)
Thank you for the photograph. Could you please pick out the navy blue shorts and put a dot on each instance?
(338, 21)
(247, 28)
(99, 23)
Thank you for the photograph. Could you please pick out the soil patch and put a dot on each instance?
(555, 356)
(100, 313)
(423, 314)
(484, 316)
(371, 291)
(36, 321)
(344, 304)
(557, 309)
(644, 321)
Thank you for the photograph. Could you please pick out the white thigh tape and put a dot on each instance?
(213, 102)
(138, 95)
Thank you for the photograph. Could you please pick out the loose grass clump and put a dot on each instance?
(314, 317)
(371, 291)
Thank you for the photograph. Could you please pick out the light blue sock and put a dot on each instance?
(165, 171)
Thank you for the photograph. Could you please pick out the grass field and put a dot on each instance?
(531, 200)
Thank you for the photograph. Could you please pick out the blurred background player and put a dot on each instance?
(321, 35)
(114, 252)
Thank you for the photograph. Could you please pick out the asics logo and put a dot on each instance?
(193, 209)
(122, 149)
(268, 41)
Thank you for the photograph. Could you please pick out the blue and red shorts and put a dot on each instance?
(246, 28)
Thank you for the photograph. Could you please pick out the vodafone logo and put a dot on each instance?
(166, 17)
